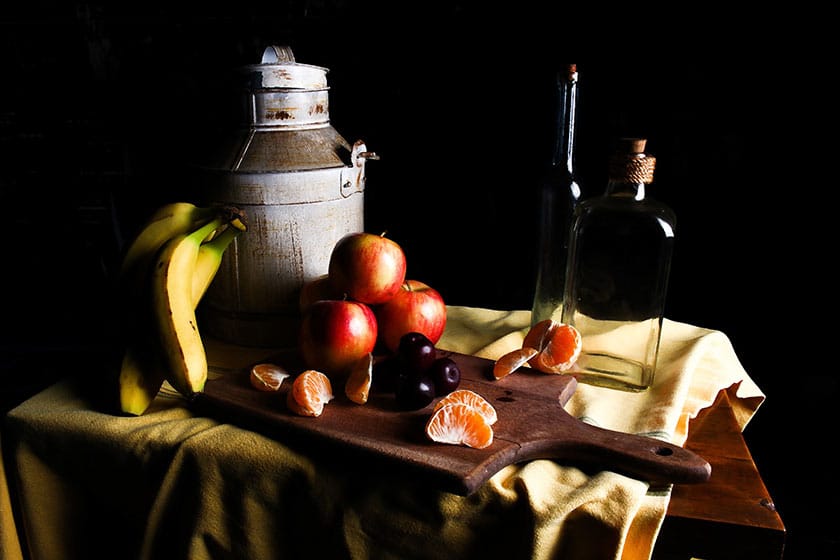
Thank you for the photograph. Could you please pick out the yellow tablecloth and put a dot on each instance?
(173, 485)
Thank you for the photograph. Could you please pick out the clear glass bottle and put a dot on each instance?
(559, 194)
(620, 249)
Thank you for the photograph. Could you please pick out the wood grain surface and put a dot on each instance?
(532, 424)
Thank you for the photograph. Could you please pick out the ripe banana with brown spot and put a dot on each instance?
(143, 370)
(174, 309)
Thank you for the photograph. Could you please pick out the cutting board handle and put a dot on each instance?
(640, 457)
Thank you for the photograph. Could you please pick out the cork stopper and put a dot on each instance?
(634, 145)
(630, 163)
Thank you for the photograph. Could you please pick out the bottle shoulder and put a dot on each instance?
(610, 208)
(616, 203)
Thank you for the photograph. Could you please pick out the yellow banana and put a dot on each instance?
(165, 223)
(210, 258)
(174, 313)
(141, 377)
(142, 370)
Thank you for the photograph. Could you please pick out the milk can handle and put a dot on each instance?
(353, 176)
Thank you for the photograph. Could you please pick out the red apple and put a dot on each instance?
(416, 307)
(335, 334)
(366, 267)
(317, 288)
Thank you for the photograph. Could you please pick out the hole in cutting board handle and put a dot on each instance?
(664, 451)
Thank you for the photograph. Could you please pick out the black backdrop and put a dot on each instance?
(100, 108)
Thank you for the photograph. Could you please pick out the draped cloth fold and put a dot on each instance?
(170, 484)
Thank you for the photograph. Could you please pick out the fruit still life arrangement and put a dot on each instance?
(365, 328)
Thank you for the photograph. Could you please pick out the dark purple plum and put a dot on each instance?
(414, 392)
(416, 352)
(446, 375)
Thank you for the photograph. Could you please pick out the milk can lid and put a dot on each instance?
(278, 69)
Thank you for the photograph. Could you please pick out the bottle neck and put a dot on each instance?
(630, 171)
(625, 189)
(567, 91)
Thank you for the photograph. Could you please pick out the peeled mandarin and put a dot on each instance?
(472, 399)
(558, 346)
(561, 350)
(459, 424)
(537, 336)
(310, 391)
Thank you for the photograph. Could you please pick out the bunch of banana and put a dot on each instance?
(165, 272)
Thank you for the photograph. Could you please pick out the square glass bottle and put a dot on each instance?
(620, 249)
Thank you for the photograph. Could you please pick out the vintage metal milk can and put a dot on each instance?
(301, 185)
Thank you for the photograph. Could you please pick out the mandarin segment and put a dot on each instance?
(472, 399)
(512, 361)
(268, 377)
(459, 424)
(357, 386)
(558, 346)
(537, 335)
(310, 391)
(561, 350)
(298, 409)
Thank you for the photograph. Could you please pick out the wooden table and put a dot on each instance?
(730, 516)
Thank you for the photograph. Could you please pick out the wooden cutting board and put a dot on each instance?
(532, 424)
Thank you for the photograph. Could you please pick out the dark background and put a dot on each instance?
(102, 106)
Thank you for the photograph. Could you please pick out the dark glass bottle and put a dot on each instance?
(620, 249)
(559, 194)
